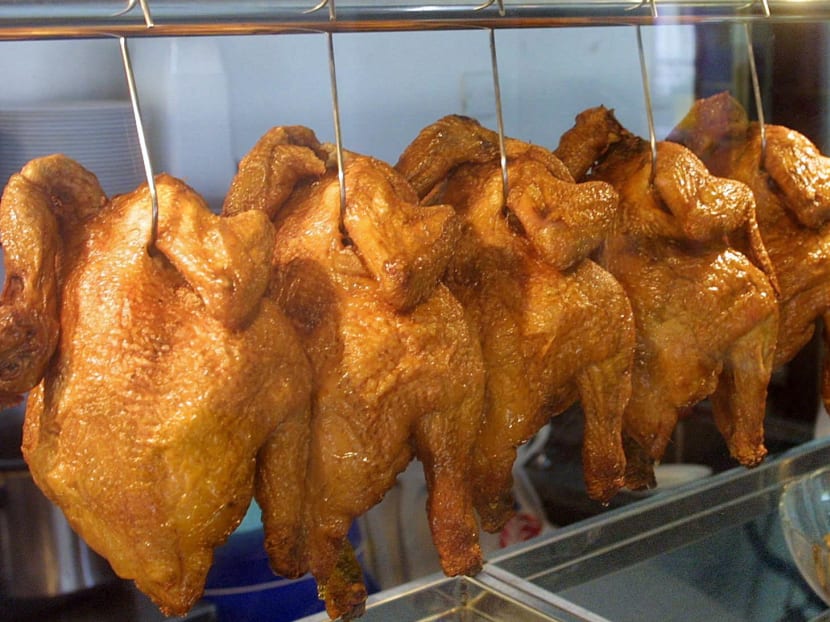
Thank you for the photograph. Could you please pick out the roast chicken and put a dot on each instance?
(791, 184)
(396, 371)
(706, 315)
(170, 370)
(554, 327)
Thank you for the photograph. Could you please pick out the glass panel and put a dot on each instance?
(743, 573)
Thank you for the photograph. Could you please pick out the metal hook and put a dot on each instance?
(652, 134)
(338, 142)
(145, 10)
(320, 5)
(489, 3)
(142, 142)
(652, 5)
(494, 66)
(756, 90)
(335, 108)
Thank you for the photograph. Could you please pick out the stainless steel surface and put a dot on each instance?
(488, 597)
(31, 19)
(40, 555)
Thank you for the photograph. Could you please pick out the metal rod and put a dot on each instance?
(335, 107)
(338, 142)
(142, 141)
(494, 66)
(316, 7)
(145, 10)
(756, 91)
(184, 19)
(490, 3)
(652, 135)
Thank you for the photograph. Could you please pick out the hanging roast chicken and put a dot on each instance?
(706, 315)
(396, 371)
(554, 326)
(791, 184)
(169, 370)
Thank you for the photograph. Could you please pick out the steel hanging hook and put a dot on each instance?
(489, 3)
(494, 67)
(652, 7)
(756, 91)
(335, 109)
(652, 134)
(142, 142)
(338, 142)
(145, 11)
(319, 6)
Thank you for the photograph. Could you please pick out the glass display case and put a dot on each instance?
(711, 549)
(707, 550)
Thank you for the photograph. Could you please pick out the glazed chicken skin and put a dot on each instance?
(792, 192)
(706, 315)
(554, 326)
(46, 202)
(396, 372)
(172, 369)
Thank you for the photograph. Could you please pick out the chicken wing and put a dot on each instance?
(42, 206)
(792, 192)
(554, 326)
(396, 372)
(706, 315)
(171, 370)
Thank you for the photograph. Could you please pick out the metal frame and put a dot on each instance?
(29, 19)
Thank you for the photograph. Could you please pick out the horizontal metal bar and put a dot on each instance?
(39, 20)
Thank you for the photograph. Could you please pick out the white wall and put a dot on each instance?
(207, 100)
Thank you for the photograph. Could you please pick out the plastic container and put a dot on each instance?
(243, 588)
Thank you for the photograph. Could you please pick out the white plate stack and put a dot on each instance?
(100, 135)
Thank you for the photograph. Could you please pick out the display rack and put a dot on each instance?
(89, 19)
(521, 584)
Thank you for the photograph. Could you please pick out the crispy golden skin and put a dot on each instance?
(706, 316)
(396, 371)
(792, 193)
(42, 206)
(171, 371)
(554, 326)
